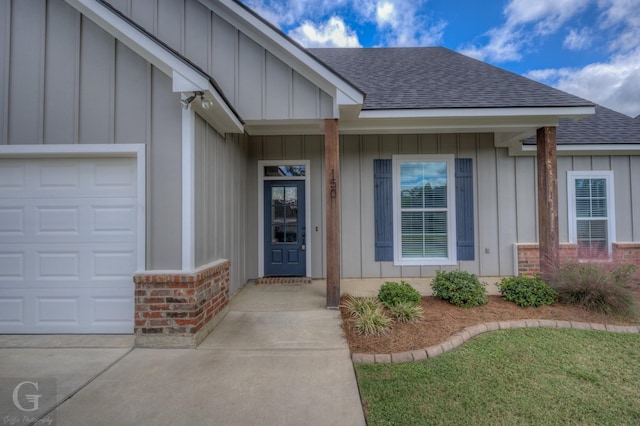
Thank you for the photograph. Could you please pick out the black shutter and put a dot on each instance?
(464, 209)
(383, 209)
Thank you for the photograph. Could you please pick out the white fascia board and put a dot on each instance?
(479, 112)
(585, 149)
(282, 48)
(184, 77)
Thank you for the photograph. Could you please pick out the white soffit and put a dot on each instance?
(185, 77)
(287, 51)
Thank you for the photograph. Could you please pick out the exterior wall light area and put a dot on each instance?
(206, 103)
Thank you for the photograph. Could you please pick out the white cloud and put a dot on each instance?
(524, 21)
(504, 45)
(578, 40)
(386, 14)
(333, 33)
(614, 84)
(401, 24)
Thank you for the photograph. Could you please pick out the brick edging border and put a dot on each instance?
(467, 333)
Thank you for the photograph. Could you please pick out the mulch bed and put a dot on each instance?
(443, 319)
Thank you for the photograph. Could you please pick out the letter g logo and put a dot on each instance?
(33, 398)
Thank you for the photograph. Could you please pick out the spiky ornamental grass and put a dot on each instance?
(597, 286)
(406, 312)
(372, 321)
(356, 306)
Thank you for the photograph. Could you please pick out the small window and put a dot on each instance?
(285, 171)
(424, 210)
(591, 213)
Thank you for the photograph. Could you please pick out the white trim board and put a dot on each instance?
(97, 150)
(307, 218)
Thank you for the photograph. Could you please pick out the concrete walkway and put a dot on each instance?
(277, 358)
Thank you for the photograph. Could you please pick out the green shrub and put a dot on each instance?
(597, 286)
(392, 293)
(356, 306)
(372, 321)
(527, 291)
(459, 288)
(406, 312)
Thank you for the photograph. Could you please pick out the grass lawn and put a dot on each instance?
(526, 376)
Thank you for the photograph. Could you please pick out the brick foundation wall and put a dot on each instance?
(529, 255)
(627, 252)
(180, 309)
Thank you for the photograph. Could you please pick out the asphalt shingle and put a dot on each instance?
(604, 127)
(436, 77)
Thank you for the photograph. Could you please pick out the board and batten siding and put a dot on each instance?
(256, 82)
(63, 80)
(357, 155)
(504, 187)
(221, 201)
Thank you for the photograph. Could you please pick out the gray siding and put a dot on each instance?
(505, 194)
(257, 83)
(357, 206)
(69, 82)
(221, 202)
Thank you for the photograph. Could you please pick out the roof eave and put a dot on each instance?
(580, 149)
(554, 111)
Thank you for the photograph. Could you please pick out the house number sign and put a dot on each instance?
(332, 185)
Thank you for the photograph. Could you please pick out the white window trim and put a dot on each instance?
(571, 203)
(451, 214)
(307, 189)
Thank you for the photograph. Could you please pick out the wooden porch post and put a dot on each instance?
(332, 184)
(548, 240)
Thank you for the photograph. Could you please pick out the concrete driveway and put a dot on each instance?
(277, 358)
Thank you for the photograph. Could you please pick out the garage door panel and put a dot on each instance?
(12, 266)
(113, 264)
(83, 220)
(12, 176)
(67, 265)
(68, 245)
(55, 178)
(102, 310)
(12, 220)
(57, 311)
(12, 311)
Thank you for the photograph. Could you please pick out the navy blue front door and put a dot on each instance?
(284, 229)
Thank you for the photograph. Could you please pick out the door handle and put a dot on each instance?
(304, 239)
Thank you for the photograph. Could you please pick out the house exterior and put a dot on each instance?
(156, 155)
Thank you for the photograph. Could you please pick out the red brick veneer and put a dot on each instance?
(529, 255)
(179, 309)
(627, 252)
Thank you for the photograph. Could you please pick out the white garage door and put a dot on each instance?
(67, 245)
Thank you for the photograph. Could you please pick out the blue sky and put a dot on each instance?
(590, 48)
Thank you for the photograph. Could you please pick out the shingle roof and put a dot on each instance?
(436, 77)
(604, 127)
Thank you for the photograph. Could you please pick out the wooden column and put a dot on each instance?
(548, 239)
(332, 184)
